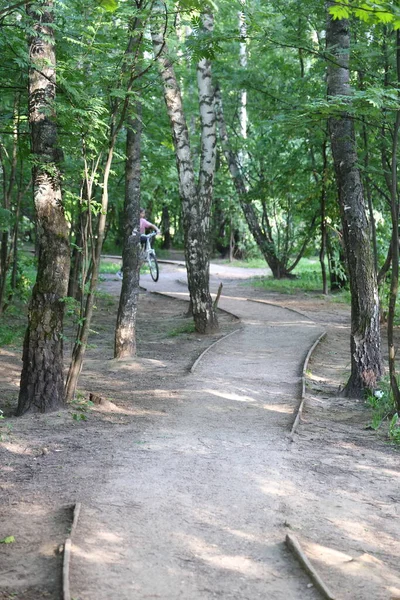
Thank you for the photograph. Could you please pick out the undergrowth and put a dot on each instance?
(12, 326)
(384, 410)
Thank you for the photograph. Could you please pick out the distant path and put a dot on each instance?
(198, 509)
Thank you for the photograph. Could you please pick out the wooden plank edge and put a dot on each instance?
(294, 545)
(67, 554)
(66, 564)
(199, 358)
(299, 411)
(293, 310)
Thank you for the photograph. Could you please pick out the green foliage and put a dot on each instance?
(5, 219)
(394, 429)
(368, 11)
(12, 326)
(384, 410)
(109, 5)
(81, 407)
(10, 539)
(10, 335)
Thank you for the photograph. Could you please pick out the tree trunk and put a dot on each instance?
(323, 224)
(6, 251)
(196, 201)
(125, 331)
(42, 382)
(166, 228)
(394, 283)
(265, 244)
(366, 366)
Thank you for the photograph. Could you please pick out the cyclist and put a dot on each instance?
(144, 224)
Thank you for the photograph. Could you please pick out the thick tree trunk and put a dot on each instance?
(196, 201)
(125, 331)
(42, 382)
(366, 366)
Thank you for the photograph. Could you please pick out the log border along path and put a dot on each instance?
(198, 512)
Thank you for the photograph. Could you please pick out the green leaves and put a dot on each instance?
(10, 539)
(5, 219)
(109, 5)
(340, 11)
(370, 11)
(200, 5)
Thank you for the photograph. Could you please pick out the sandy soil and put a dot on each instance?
(189, 482)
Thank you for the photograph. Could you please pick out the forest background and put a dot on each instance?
(83, 113)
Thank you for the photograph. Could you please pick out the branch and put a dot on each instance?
(9, 9)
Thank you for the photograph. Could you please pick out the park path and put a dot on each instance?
(195, 504)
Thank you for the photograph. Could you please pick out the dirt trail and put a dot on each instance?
(196, 510)
(188, 481)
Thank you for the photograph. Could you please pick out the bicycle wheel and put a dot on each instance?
(153, 264)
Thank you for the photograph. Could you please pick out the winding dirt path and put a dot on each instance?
(196, 509)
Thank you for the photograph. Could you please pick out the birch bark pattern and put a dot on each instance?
(42, 383)
(196, 201)
(365, 343)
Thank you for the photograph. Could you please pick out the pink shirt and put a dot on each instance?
(143, 224)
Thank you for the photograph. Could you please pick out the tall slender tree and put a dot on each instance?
(365, 344)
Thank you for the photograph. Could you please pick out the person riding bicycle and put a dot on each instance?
(144, 224)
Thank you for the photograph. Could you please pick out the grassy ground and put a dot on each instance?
(308, 280)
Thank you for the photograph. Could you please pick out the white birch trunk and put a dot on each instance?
(196, 200)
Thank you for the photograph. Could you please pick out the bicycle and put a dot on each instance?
(148, 254)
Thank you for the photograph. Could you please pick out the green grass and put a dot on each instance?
(107, 267)
(186, 328)
(251, 263)
(308, 280)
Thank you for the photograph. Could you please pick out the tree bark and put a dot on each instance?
(366, 365)
(264, 242)
(42, 382)
(394, 283)
(125, 331)
(166, 228)
(196, 200)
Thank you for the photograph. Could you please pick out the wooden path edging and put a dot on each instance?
(199, 358)
(299, 411)
(66, 592)
(297, 312)
(294, 545)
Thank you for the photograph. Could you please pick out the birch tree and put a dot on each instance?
(196, 199)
